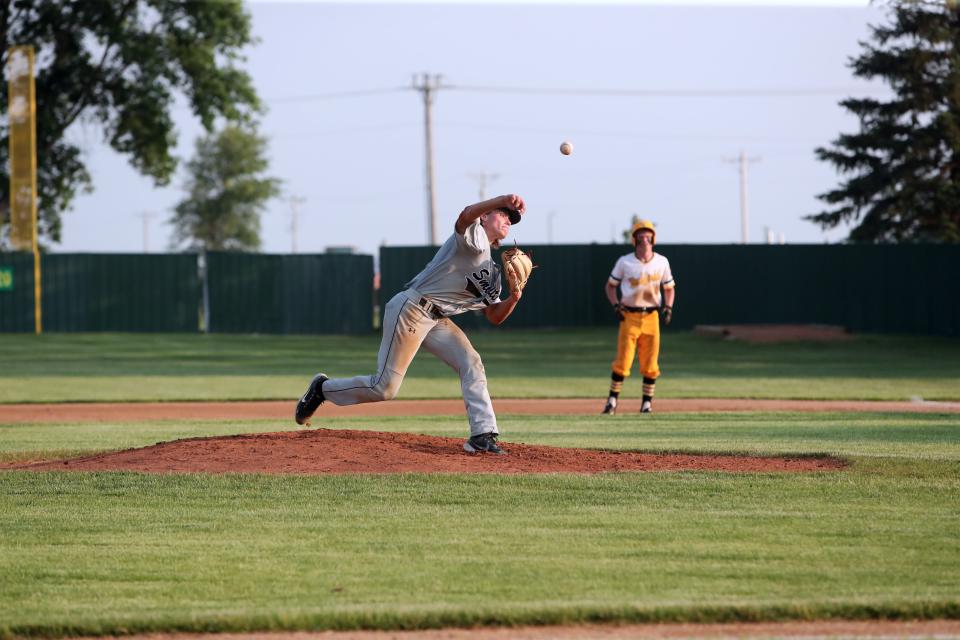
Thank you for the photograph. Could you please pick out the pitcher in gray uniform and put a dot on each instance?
(461, 277)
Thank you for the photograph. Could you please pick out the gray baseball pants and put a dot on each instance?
(405, 328)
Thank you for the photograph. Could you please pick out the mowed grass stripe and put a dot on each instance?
(108, 552)
(519, 363)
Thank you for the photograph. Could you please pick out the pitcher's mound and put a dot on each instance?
(336, 451)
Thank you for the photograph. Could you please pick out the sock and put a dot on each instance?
(616, 385)
(648, 388)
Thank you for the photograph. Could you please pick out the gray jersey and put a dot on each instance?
(462, 276)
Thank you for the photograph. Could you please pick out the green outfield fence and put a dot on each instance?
(236, 292)
(865, 288)
(256, 293)
(103, 292)
(881, 289)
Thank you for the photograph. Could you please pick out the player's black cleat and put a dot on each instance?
(646, 407)
(312, 398)
(483, 443)
(611, 408)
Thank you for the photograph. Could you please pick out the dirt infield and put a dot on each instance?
(341, 451)
(335, 451)
(940, 629)
(326, 451)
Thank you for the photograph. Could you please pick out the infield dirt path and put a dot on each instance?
(873, 629)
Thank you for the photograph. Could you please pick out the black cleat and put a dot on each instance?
(312, 398)
(646, 407)
(483, 443)
(611, 408)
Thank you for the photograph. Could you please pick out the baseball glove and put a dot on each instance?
(517, 267)
(618, 311)
(666, 314)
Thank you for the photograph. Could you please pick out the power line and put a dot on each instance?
(337, 95)
(622, 134)
(581, 91)
(672, 93)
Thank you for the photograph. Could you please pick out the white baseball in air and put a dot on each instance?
(566, 148)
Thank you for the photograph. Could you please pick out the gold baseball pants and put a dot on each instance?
(639, 335)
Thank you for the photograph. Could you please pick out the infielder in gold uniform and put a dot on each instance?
(640, 276)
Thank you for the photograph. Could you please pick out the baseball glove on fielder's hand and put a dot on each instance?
(666, 314)
(517, 267)
(618, 311)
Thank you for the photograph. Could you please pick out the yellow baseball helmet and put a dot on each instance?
(639, 225)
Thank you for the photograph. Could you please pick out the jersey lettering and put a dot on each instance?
(647, 278)
(485, 284)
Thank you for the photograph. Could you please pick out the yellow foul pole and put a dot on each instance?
(22, 112)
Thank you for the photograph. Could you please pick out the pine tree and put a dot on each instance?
(902, 169)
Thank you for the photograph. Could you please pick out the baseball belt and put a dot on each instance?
(430, 309)
(640, 309)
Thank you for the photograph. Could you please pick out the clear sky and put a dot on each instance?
(656, 99)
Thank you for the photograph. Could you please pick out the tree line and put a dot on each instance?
(119, 65)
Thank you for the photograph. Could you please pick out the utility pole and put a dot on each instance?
(295, 202)
(482, 178)
(742, 160)
(550, 216)
(145, 216)
(427, 84)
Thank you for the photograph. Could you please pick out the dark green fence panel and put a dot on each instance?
(562, 298)
(719, 284)
(120, 292)
(867, 288)
(103, 292)
(398, 266)
(16, 292)
(256, 293)
(895, 289)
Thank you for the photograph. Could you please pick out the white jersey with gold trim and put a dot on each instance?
(640, 281)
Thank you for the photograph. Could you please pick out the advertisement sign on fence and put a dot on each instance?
(6, 278)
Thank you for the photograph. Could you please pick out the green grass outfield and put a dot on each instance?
(89, 553)
(98, 553)
(519, 363)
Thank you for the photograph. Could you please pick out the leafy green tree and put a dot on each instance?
(902, 169)
(119, 65)
(226, 192)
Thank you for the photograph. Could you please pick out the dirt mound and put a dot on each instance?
(339, 451)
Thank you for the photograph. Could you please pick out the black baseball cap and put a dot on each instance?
(513, 214)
